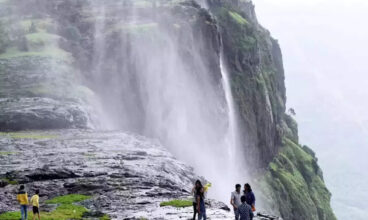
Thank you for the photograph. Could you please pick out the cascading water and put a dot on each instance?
(161, 77)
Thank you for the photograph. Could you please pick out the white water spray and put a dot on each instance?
(151, 83)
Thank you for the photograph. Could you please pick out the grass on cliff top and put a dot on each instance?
(27, 135)
(65, 211)
(177, 203)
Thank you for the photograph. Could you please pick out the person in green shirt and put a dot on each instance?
(35, 203)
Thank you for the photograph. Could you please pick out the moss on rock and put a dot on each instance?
(65, 210)
(294, 181)
(238, 18)
(28, 135)
(177, 203)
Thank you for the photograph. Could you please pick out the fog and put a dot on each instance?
(324, 44)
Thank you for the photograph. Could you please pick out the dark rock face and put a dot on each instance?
(289, 173)
(127, 175)
(255, 64)
(39, 87)
(41, 113)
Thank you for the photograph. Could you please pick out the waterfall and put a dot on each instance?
(233, 130)
(158, 76)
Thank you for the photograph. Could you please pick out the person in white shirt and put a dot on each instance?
(235, 200)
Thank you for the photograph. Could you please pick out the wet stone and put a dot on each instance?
(122, 172)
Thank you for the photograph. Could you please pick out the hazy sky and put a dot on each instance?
(325, 51)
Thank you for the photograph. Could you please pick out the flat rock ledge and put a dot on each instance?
(127, 175)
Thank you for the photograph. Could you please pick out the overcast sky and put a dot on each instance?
(325, 51)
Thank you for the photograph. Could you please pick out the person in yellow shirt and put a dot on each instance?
(22, 198)
(35, 203)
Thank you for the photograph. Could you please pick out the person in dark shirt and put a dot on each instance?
(194, 193)
(245, 211)
(249, 197)
(201, 208)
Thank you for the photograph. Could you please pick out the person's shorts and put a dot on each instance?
(35, 210)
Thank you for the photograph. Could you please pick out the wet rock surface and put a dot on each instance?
(127, 175)
(29, 113)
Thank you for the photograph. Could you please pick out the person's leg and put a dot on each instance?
(200, 216)
(22, 212)
(236, 212)
(194, 210)
(26, 212)
(39, 218)
(202, 209)
(34, 211)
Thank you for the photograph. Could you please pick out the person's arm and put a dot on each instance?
(26, 198)
(253, 199)
(251, 213)
(232, 201)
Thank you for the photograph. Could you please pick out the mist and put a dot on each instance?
(325, 46)
(153, 77)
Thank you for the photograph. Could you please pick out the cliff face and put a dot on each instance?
(46, 52)
(255, 65)
(289, 174)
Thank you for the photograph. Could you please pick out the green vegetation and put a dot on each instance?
(105, 217)
(31, 38)
(65, 211)
(177, 203)
(238, 18)
(296, 184)
(4, 38)
(45, 52)
(36, 25)
(10, 181)
(39, 39)
(90, 155)
(68, 199)
(5, 153)
(28, 135)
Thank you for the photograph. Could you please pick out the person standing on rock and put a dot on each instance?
(201, 208)
(245, 211)
(35, 203)
(194, 193)
(22, 198)
(235, 200)
(249, 197)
